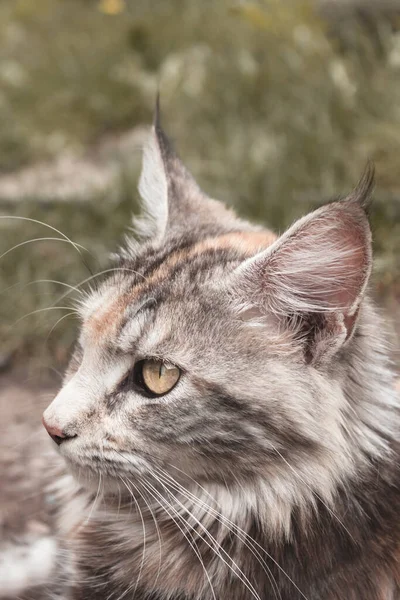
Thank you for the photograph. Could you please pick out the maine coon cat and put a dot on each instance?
(229, 414)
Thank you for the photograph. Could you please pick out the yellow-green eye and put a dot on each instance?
(159, 377)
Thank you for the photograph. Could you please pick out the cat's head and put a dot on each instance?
(215, 348)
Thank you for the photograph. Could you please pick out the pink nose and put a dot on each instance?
(55, 433)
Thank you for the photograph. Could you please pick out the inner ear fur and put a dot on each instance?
(315, 275)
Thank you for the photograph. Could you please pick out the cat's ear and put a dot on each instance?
(171, 198)
(315, 274)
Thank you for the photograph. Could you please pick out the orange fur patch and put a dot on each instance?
(105, 322)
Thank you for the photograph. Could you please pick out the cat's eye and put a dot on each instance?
(157, 377)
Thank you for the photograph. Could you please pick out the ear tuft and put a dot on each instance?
(157, 112)
(169, 157)
(362, 193)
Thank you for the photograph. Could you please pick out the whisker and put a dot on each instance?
(156, 526)
(167, 506)
(242, 531)
(57, 322)
(245, 538)
(239, 573)
(18, 284)
(17, 218)
(40, 310)
(57, 372)
(227, 522)
(42, 239)
(144, 544)
(98, 275)
(93, 505)
(72, 289)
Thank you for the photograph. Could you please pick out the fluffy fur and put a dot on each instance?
(271, 470)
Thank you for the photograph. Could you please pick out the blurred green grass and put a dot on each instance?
(270, 113)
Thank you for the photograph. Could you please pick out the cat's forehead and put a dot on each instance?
(155, 277)
(111, 310)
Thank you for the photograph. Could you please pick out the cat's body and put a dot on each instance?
(268, 465)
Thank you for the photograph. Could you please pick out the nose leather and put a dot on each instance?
(55, 433)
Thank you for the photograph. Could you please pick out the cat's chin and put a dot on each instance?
(93, 480)
(103, 478)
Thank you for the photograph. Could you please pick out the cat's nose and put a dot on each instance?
(56, 434)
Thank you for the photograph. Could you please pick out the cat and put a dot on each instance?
(228, 419)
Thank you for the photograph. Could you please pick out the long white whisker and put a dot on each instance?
(98, 275)
(17, 218)
(167, 506)
(72, 289)
(42, 239)
(155, 523)
(218, 548)
(59, 321)
(39, 310)
(245, 538)
(242, 531)
(93, 505)
(23, 286)
(144, 544)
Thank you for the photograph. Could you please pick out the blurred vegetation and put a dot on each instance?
(270, 111)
